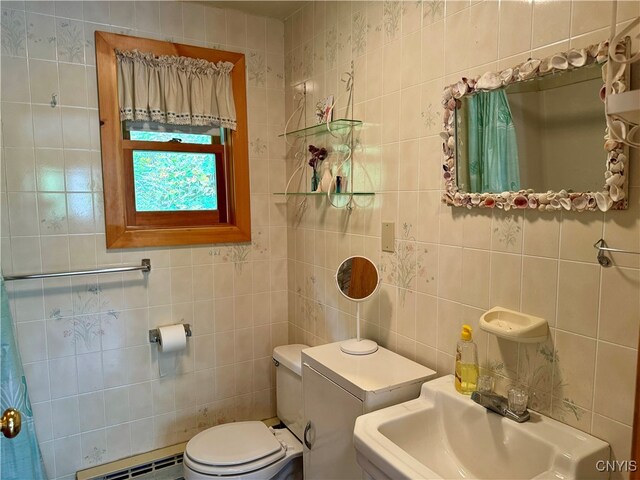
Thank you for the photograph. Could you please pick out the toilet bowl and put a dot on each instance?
(251, 450)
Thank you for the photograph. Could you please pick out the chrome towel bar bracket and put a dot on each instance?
(602, 248)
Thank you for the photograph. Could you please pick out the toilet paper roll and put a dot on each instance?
(172, 338)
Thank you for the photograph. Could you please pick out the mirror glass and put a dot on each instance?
(547, 135)
(357, 278)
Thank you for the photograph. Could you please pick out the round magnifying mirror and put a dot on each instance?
(358, 279)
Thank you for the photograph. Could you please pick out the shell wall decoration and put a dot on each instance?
(613, 194)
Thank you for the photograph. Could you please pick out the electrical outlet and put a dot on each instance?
(388, 237)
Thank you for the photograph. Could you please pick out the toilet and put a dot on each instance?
(251, 450)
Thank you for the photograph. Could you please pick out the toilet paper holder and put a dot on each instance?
(154, 334)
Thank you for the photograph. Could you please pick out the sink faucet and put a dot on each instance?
(499, 404)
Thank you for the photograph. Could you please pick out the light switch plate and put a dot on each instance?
(388, 237)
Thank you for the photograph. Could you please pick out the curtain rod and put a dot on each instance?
(145, 266)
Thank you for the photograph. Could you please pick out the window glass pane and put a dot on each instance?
(160, 132)
(174, 181)
(167, 136)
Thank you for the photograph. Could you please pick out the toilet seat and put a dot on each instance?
(233, 449)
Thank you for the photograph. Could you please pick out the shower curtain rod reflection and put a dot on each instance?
(145, 266)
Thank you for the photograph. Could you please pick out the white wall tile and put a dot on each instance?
(14, 71)
(63, 379)
(23, 213)
(66, 420)
(123, 14)
(147, 15)
(95, 11)
(614, 392)
(19, 131)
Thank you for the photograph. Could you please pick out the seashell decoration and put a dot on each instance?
(616, 165)
(616, 193)
(579, 203)
(520, 201)
(489, 81)
(577, 58)
(616, 87)
(528, 69)
(618, 128)
(545, 65)
(460, 89)
(603, 200)
(617, 73)
(602, 52)
(506, 76)
(611, 145)
(613, 195)
(615, 179)
(559, 62)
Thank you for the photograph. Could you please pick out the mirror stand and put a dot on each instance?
(358, 346)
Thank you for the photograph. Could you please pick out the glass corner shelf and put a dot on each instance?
(322, 128)
(341, 194)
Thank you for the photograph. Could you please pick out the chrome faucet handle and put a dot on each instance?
(518, 399)
(500, 405)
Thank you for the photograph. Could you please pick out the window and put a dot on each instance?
(171, 184)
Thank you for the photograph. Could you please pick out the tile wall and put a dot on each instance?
(450, 264)
(92, 375)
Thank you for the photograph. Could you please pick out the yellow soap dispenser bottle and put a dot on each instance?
(466, 362)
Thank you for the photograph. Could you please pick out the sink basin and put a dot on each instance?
(443, 434)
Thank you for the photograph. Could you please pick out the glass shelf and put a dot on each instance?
(341, 194)
(321, 128)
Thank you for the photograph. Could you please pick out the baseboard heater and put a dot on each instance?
(164, 463)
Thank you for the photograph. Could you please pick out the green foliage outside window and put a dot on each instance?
(174, 181)
(167, 136)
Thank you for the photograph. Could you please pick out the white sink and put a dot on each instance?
(443, 434)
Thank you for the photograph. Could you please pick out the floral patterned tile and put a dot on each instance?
(507, 232)
(392, 17)
(359, 30)
(563, 410)
(14, 33)
(538, 366)
(256, 67)
(71, 41)
(331, 47)
(432, 11)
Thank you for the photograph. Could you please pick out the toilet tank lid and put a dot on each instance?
(290, 356)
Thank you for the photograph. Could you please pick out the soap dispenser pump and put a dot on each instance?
(466, 362)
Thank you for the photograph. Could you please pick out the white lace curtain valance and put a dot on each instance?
(175, 90)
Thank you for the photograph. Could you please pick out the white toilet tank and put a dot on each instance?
(288, 360)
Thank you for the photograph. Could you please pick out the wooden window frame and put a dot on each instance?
(137, 220)
(125, 228)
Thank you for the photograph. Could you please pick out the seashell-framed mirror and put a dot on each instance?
(532, 136)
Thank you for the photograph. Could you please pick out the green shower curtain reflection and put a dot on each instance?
(492, 144)
(20, 456)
